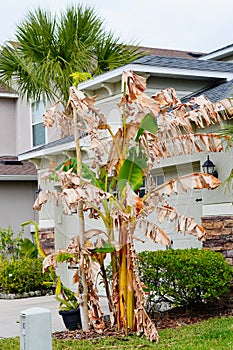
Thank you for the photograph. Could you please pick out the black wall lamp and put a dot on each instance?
(39, 189)
(209, 167)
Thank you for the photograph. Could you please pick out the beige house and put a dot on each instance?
(190, 74)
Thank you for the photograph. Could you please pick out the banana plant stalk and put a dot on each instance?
(126, 296)
(83, 281)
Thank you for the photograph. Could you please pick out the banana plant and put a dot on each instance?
(152, 128)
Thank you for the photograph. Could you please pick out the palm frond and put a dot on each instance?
(227, 131)
(111, 53)
(49, 49)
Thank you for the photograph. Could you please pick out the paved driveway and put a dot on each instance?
(10, 314)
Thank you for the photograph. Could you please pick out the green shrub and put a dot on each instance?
(9, 243)
(22, 275)
(14, 246)
(184, 277)
(3, 263)
(28, 248)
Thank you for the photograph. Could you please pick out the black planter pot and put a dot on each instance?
(71, 319)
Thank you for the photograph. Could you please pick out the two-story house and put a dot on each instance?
(190, 75)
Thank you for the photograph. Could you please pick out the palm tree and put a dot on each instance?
(49, 49)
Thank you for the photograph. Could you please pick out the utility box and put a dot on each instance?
(35, 329)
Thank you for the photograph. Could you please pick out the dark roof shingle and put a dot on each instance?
(11, 166)
(6, 89)
(215, 93)
(58, 142)
(184, 63)
(171, 53)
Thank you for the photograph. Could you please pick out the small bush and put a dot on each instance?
(13, 246)
(28, 248)
(22, 275)
(9, 243)
(184, 277)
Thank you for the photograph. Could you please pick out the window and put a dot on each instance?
(38, 130)
(158, 179)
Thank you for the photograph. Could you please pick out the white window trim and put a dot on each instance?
(31, 129)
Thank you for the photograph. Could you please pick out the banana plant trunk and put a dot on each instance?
(126, 294)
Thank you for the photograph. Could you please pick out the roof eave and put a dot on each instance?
(18, 177)
(115, 75)
(8, 95)
(32, 154)
(218, 54)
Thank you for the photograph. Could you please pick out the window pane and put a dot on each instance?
(160, 179)
(38, 132)
(38, 110)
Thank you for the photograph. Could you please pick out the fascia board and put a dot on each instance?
(8, 95)
(189, 73)
(18, 177)
(108, 76)
(47, 151)
(55, 150)
(219, 54)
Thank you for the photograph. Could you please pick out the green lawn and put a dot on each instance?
(216, 333)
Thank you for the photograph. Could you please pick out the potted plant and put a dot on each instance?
(68, 307)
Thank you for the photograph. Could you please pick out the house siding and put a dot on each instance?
(8, 126)
(16, 204)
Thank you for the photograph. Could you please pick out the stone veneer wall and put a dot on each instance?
(46, 237)
(219, 237)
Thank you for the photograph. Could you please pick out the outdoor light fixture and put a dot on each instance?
(39, 189)
(33, 231)
(209, 167)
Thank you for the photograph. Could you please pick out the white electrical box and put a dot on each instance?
(35, 329)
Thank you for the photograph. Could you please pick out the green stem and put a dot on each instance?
(33, 222)
(115, 143)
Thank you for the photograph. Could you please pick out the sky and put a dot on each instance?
(190, 25)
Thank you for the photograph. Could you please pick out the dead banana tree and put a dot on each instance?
(152, 128)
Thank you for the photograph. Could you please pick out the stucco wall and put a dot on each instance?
(7, 126)
(16, 204)
(23, 135)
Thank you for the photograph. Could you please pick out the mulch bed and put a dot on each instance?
(173, 318)
(181, 316)
(90, 334)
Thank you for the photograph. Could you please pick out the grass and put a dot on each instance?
(213, 334)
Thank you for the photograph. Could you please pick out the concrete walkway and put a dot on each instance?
(10, 314)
